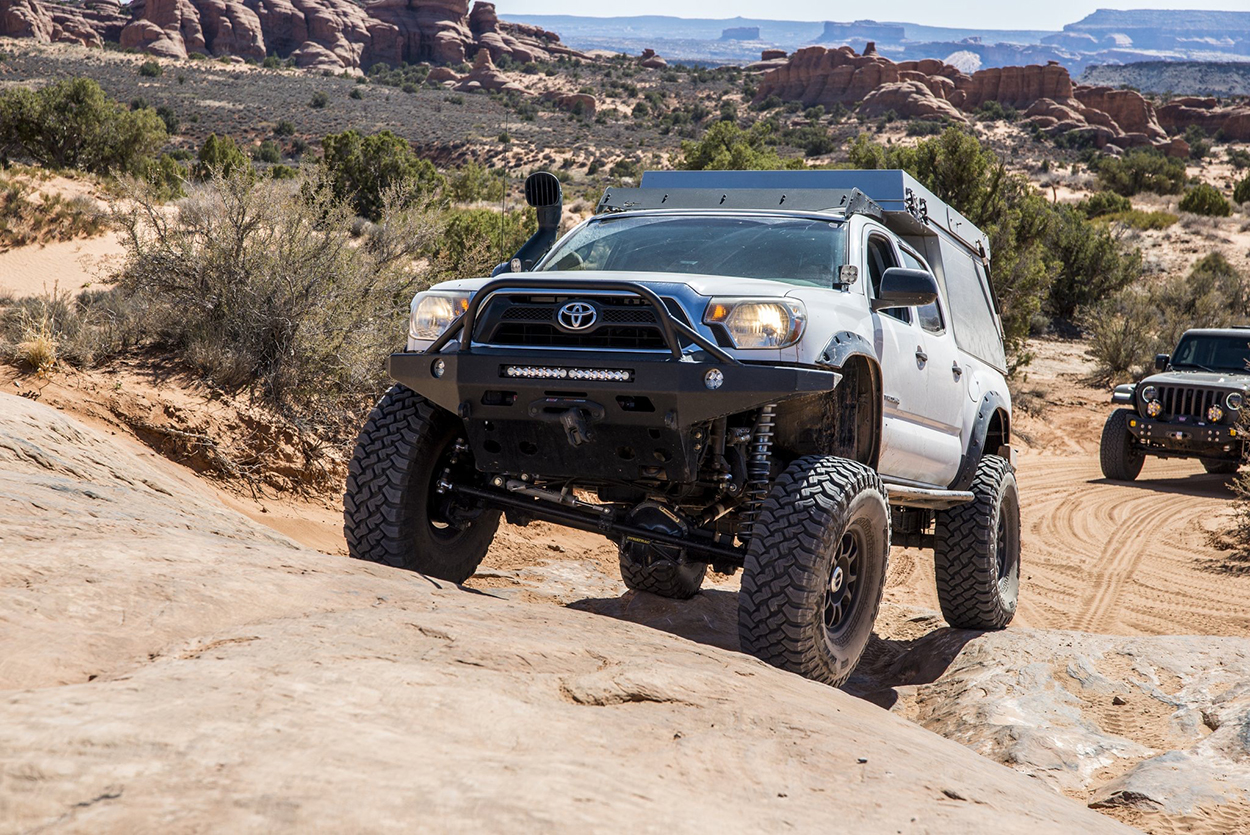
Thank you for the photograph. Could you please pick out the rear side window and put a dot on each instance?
(972, 314)
(929, 315)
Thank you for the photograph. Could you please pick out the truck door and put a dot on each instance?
(898, 344)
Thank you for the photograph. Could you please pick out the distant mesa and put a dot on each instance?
(741, 33)
(861, 30)
(316, 34)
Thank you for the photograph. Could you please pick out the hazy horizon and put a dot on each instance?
(960, 13)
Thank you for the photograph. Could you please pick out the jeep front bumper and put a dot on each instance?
(1187, 439)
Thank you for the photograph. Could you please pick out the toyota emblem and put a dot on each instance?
(577, 316)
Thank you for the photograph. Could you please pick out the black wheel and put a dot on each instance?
(1220, 467)
(654, 574)
(815, 569)
(1120, 460)
(392, 511)
(976, 551)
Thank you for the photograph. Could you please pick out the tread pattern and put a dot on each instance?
(1118, 459)
(781, 603)
(964, 552)
(662, 577)
(381, 520)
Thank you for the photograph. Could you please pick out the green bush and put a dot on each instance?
(362, 169)
(319, 100)
(727, 147)
(473, 241)
(1091, 264)
(1241, 192)
(73, 124)
(1145, 221)
(1205, 199)
(150, 69)
(170, 118)
(473, 183)
(220, 156)
(355, 94)
(1121, 333)
(1104, 203)
(285, 127)
(267, 151)
(1141, 170)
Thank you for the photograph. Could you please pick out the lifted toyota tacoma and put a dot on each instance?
(783, 372)
(1190, 409)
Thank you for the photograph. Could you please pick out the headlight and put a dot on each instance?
(1233, 401)
(1154, 408)
(1150, 393)
(433, 313)
(752, 323)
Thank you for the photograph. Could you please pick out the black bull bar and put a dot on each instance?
(638, 427)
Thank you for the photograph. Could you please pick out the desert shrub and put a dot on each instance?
(150, 69)
(473, 241)
(285, 127)
(362, 169)
(1144, 221)
(319, 100)
(1141, 170)
(925, 127)
(1091, 264)
(994, 111)
(1238, 158)
(219, 155)
(1205, 199)
(73, 124)
(1241, 191)
(1121, 333)
(267, 151)
(268, 286)
(1104, 203)
(166, 176)
(27, 217)
(472, 183)
(727, 147)
(355, 94)
(1199, 145)
(170, 118)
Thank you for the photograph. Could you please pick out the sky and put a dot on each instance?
(1006, 14)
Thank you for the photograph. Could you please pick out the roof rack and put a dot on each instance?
(891, 196)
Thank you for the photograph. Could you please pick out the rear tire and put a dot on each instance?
(1221, 467)
(392, 513)
(815, 569)
(976, 551)
(1119, 459)
(676, 581)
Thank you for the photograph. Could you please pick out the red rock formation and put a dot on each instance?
(1232, 121)
(484, 76)
(55, 23)
(582, 103)
(651, 61)
(911, 97)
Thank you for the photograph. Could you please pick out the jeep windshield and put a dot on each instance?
(793, 250)
(1211, 352)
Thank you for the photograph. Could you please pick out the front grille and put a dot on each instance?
(1181, 401)
(626, 322)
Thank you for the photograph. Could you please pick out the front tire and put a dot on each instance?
(976, 551)
(1120, 460)
(1220, 467)
(392, 512)
(815, 569)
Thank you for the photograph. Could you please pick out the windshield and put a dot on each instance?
(1213, 353)
(794, 250)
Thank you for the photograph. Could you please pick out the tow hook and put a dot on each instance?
(574, 423)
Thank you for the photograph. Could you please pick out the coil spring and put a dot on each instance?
(759, 468)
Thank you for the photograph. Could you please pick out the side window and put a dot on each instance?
(976, 330)
(930, 315)
(881, 258)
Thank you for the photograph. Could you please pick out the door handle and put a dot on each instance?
(921, 355)
(956, 370)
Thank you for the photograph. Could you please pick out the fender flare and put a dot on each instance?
(992, 402)
(843, 346)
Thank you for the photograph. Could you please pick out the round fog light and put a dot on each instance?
(1214, 414)
(714, 379)
(439, 367)
(1153, 408)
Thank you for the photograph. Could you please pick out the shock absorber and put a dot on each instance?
(759, 468)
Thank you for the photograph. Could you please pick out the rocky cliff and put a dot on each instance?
(932, 89)
(319, 34)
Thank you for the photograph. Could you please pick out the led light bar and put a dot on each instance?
(546, 372)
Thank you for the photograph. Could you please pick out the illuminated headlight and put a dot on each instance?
(1154, 408)
(433, 313)
(1233, 401)
(1215, 414)
(752, 323)
(1150, 393)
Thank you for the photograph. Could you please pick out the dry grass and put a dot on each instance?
(31, 217)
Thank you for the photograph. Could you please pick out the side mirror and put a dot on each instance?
(1161, 361)
(905, 288)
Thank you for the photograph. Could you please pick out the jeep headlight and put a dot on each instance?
(1149, 393)
(433, 313)
(1233, 401)
(756, 323)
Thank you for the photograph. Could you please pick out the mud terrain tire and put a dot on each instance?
(1120, 462)
(677, 581)
(815, 569)
(389, 513)
(976, 551)
(1220, 467)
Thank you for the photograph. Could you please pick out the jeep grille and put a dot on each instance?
(1180, 401)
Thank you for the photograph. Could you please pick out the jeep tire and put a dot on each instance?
(815, 569)
(1120, 460)
(976, 551)
(391, 508)
(1215, 467)
(678, 581)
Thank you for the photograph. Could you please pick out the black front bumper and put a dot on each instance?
(1187, 440)
(636, 429)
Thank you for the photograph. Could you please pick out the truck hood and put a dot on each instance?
(663, 283)
(1205, 379)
